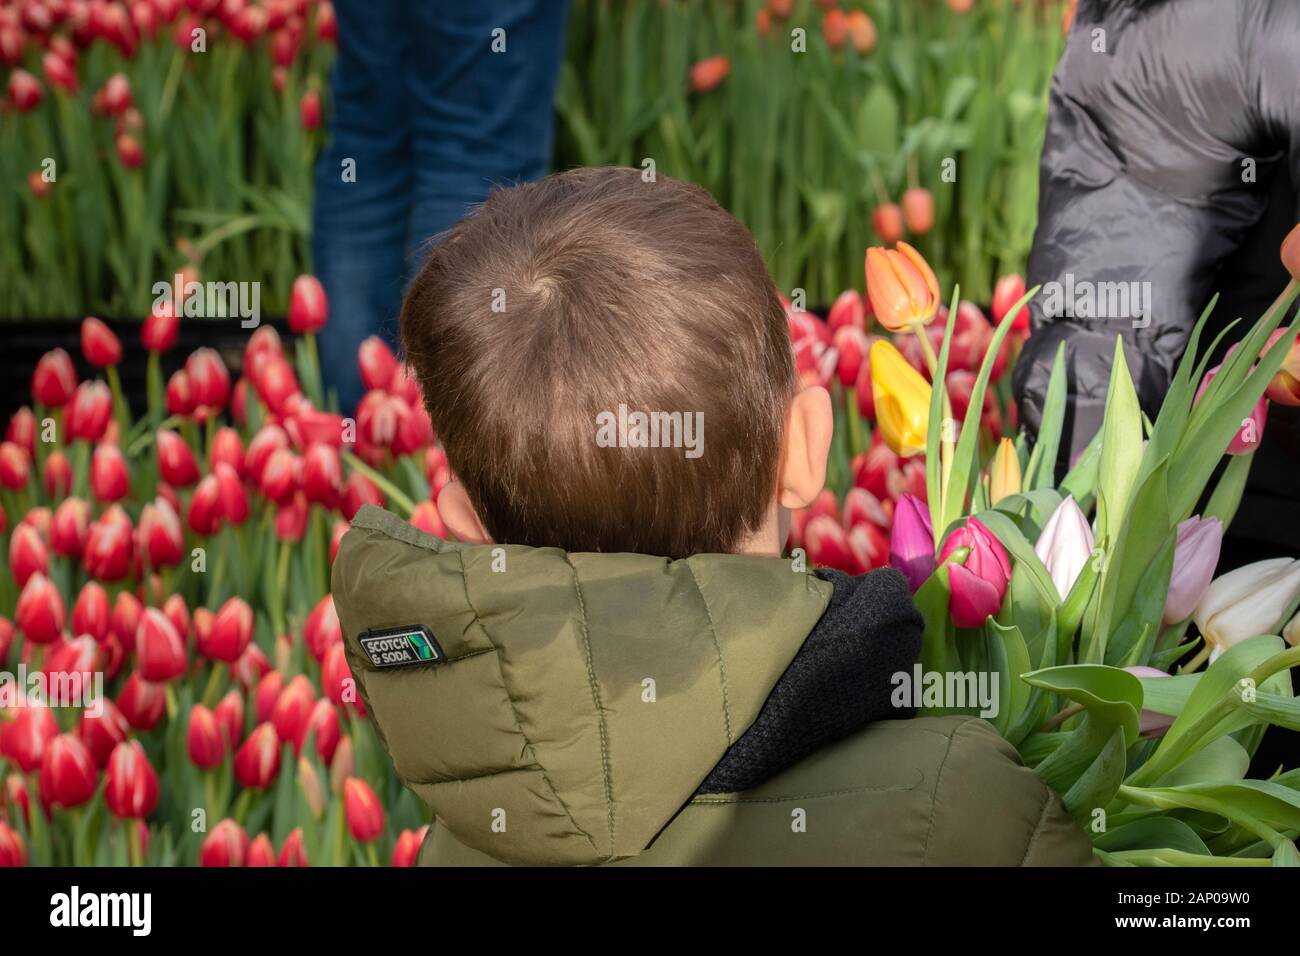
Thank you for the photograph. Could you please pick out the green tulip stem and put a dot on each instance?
(1166, 856)
(1194, 801)
(1055, 721)
(855, 421)
(213, 685)
(387, 487)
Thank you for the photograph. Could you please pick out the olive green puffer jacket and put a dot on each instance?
(565, 708)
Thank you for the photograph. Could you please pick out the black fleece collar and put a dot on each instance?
(839, 681)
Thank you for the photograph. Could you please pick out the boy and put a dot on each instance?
(613, 663)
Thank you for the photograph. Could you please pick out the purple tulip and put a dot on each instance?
(1151, 723)
(1196, 553)
(976, 587)
(911, 541)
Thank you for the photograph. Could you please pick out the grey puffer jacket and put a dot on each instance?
(1170, 171)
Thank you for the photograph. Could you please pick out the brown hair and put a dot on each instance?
(559, 300)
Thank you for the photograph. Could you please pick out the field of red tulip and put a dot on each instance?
(168, 591)
(146, 138)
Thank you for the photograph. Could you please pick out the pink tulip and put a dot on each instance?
(978, 586)
(911, 542)
(1196, 554)
(1251, 432)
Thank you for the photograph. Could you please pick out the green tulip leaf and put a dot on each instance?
(1041, 471)
(1151, 833)
(1098, 784)
(1109, 694)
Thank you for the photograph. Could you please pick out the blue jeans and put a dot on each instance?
(432, 117)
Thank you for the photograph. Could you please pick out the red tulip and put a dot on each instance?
(69, 527)
(979, 584)
(132, 791)
(176, 461)
(309, 116)
(204, 740)
(266, 442)
(887, 220)
(109, 547)
(257, 762)
(321, 630)
(15, 466)
(90, 613)
(1007, 292)
(918, 210)
(39, 613)
(869, 547)
(336, 679)
(129, 152)
(24, 740)
(322, 475)
(54, 379)
(709, 73)
(141, 702)
(12, 850)
(21, 430)
(294, 851)
(280, 476)
(228, 448)
(103, 733)
(308, 306)
(851, 343)
(28, 554)
(268, 691)
(291, 519)
(292, 708)
(161, 329)
(251, 666)
(159, 649)
(109, 480)
(59, 72)
(89, 411)
(25, 91)
(376, 362)
(6, 637)
(204, 515)
(68, 775)
(175, 610)
(365, 815)
(226, 846)
(232, 630)
(848, 309)
(406, 851)
(179, 397)
(209, 382)
(230, 717)
(827, 544)
(260, 852)
(161, 538)
(232, 499)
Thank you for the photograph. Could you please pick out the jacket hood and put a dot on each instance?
(578, 700)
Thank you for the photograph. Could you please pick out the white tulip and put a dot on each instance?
(1247, 602)
(1065, 546)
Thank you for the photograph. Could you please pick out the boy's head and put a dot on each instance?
(542, 323)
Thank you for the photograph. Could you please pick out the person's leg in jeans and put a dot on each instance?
(361, 228)
(479, 118)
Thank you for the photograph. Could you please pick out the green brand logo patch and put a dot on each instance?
(398, 646)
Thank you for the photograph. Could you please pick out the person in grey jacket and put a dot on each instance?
(1170, 172)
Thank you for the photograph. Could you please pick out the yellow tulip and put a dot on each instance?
(902, 398)
(1004, 472)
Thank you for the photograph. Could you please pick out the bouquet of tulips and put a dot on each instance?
(149, 138)
(1084, 620)
(172, 681)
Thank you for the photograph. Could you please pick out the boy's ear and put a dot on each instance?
(458, 514)
(808, 427)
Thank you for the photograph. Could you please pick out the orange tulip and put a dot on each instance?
(918, 210)
(707, 74)
(835, 28)
(887, 220)
(901, 286)
(1290, 252)
(862, 31)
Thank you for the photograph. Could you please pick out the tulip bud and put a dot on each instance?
(28, 554)
(1006, 293)
(109, 481)
(361, 808)
(88, 413)
(294, 851)
(176, 462)
(257, 762)
(205, 511)
(918, 210)
(709, 73)
(902, 287)
(39, 614)
(1065, 545)
(308, 306)
(309, 111)
(103, 733)
(1196, 554)
(292, 708)
(132, 791)
(25, 739)
(848, 309)
(862, 31)
(226, 846)
(25, 92)
(902, 400)
(260, 852)
(160, 652)
(1290, 252)
(230, 717)
(90, 613)
(406, 851)
(1284, 387)
(98, 343)
(911, 543)
(160, 534)
(835, 28)
(887, 221)
(161, 329)
(209, 383)
(129, 152)
(1251, 432)
(1151, 723)
(231, 632)
(68, 775)
(108, 552)
(1004, 472)
(204, 740)
(141, 702)
(827, 544)
(13, 852)
(54, 379)
(1247, 602)
(978, 585)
